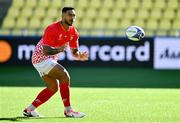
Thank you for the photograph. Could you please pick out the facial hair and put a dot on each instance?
(69, 24)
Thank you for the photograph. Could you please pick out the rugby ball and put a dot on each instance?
(135, 33)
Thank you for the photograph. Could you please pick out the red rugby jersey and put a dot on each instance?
(55, 36)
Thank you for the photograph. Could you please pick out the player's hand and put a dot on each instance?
(62, 48)
(82, 56)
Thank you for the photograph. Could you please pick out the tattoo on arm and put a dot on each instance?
(47, 50)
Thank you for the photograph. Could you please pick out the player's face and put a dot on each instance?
(69, 17)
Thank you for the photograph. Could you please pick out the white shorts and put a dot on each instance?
(45, 66)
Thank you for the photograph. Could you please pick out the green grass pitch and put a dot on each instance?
(105, 94)
(105, 105)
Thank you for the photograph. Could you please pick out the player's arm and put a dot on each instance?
(80, 56)
(47, 50)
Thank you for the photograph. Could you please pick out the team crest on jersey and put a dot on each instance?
(71, 37)
(60, 37)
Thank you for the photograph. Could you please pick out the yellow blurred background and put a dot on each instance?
(94, 17)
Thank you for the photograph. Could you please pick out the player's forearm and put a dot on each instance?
(47, 50)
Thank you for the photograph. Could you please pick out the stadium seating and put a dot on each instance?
(90, 13)
(169, 14)
(116, 14)
(83, 4)
(125, 23)
(21, 23)
(147, 4)
(95, 17)
(86, 24)
(8, 23)
(120, 4)
(112, 24)
(134, 4)
(152, 24)
(143, 14)
(30, 4)
(95, 4)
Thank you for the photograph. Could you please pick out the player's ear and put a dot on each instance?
(62, 15)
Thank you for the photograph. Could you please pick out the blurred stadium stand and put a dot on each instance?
(94, 17)
(4, 6)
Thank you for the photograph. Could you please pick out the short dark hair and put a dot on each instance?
(67, 8)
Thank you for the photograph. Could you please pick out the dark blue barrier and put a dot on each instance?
(106, 51)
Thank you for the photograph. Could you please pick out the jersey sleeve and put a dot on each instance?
(49, 37)
(75, 42)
